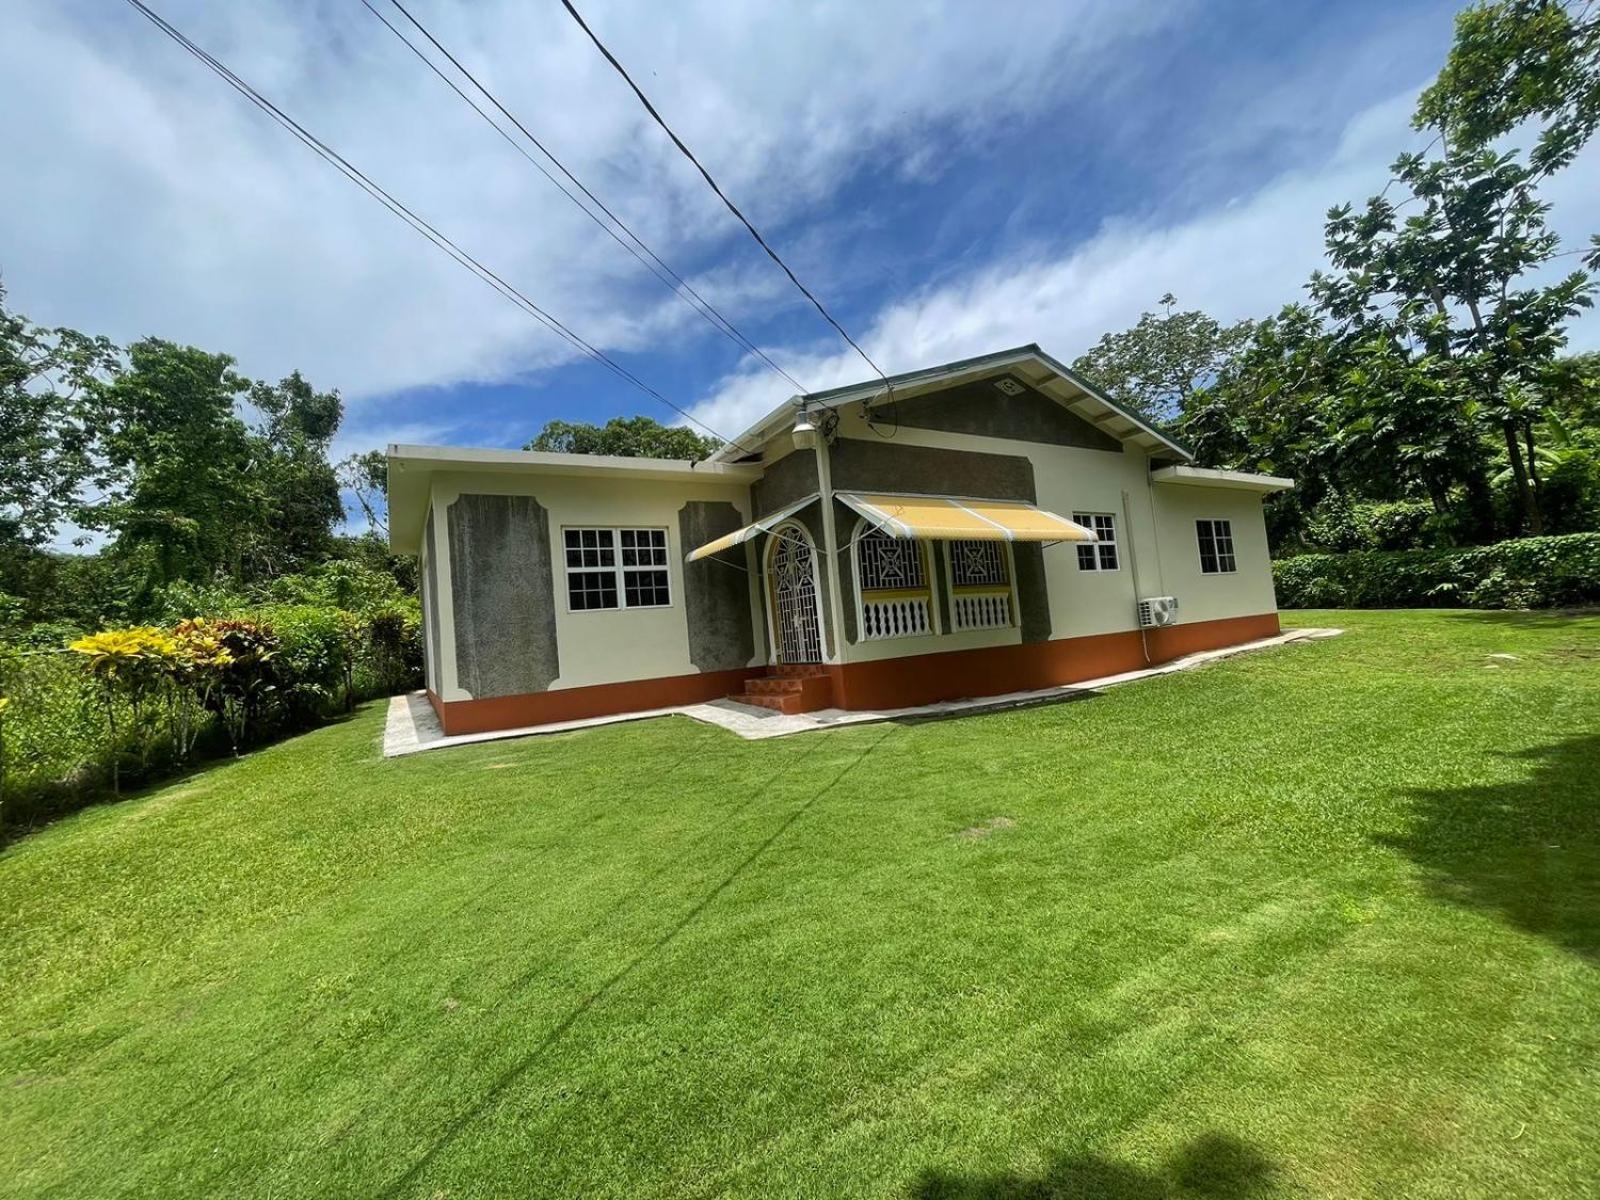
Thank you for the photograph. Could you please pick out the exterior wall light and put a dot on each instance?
(805, 433)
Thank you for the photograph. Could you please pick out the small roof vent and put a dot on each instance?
(1008, 385)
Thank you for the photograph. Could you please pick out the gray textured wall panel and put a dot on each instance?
(503, 592)
(982, 409)
(862, 466)
(716, 595)
(1033, 592)
(784, 482)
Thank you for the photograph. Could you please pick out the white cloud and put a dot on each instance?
(144, 197)
(1246, 258)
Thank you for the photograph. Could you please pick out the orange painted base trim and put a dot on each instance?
(599, 700)
(888, 683)
(963, 674)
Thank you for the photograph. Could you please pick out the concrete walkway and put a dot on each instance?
(413, 726)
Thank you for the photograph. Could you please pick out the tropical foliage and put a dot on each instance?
(1540, 572)
(627, 437)
(130, 704)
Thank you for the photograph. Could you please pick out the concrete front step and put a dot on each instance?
(789, 689)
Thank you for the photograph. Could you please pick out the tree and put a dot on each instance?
(366, 477)
(1156, 367)
(45, 442)
(296, 488)
(1513, 60)
(626, 437)
(180, 485)
(1445, 292)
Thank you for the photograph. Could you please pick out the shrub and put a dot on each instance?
(1543, 572)
(315, 658)
(243, 678)
(126, 703)
(395, 637)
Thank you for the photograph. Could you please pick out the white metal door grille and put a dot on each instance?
(794, 592)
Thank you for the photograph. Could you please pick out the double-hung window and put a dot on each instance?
(1100, 555)
(1216, 546)
(616, 568)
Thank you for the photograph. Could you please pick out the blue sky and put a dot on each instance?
(951, 178)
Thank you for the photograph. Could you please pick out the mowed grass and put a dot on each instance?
(1318, 921)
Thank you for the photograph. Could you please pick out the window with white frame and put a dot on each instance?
(1216, 546)
(894, 597)
(1100, 555)
(616, 568)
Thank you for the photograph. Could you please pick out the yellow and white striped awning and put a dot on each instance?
(740, 536)
(964, 520)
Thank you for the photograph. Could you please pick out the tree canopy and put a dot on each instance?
(1516, 60)
(625, 437)
(1156, 367)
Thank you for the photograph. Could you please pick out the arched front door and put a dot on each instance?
(792, 593)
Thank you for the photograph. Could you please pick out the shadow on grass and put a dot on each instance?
(1214, 1165)
(1527, 851)
(1532, 618)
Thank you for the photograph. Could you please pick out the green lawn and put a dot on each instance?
(1319, 921)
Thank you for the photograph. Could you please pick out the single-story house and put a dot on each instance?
(982, 527)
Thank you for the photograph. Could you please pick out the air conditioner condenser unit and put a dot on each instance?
(1158, 611)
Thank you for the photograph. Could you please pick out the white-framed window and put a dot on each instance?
(1216, 546)
(616, 568)
(1101, 555)
(894, 596)
(981, 591)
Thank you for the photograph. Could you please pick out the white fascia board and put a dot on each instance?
(1238, 481)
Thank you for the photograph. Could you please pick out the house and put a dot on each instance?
(986, 526)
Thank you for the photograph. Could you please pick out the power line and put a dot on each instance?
(674, 282)
(721, 195)
(344, 166)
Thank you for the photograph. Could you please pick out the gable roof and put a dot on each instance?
(1031, 364)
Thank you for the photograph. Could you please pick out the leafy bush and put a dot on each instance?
(1338, 524)
(126, 705)
(316, 655)
(1526, 573)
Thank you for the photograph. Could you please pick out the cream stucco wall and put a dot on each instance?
(610, 646)
(1242, 593)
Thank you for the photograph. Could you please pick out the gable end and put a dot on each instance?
(982, 408)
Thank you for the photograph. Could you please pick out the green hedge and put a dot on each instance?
(1543, 572)
(70, 734)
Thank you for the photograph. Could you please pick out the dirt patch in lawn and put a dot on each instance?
(985, 828)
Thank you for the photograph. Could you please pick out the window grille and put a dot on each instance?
(890, 564)
(978, 564)
(616, 568)
(1216, 546)
(1101, 555)
(980, 585)
(895, 599)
